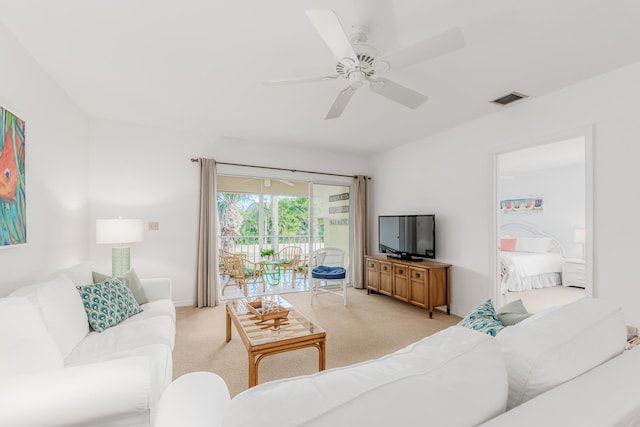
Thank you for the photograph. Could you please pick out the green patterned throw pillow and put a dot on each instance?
(108, 303)
(483, 319)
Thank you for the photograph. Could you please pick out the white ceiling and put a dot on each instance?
(198, 64)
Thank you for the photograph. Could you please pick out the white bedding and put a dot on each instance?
(523, 271)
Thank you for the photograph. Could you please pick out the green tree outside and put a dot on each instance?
(293, 216)
(239, 216)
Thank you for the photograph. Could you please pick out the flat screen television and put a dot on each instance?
(407, 236)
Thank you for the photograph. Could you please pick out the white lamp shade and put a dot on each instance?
(115, 231)
(580, 235)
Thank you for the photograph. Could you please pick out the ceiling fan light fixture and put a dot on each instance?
(356, 78)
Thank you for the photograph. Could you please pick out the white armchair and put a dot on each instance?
(328, 273)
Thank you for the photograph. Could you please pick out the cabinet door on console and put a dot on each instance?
(400, 282)
(438, 286)
(386, 285)
(419, 283)
(373, 274)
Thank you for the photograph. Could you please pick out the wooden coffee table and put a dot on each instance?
(262, 339)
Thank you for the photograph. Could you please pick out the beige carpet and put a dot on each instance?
(369, 327)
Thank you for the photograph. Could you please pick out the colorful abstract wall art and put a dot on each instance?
(522, 205)
(13, 215)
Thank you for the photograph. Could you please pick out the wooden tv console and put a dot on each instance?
(425, 284)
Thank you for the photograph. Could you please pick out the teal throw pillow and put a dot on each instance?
(130, 279)
(108, 303)
(513, 313)
(483, 319)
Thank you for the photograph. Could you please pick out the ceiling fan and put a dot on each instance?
(358, 62)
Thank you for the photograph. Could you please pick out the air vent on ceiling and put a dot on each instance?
(509, 98)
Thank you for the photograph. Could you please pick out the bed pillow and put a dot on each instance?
(538, 245)
(512, 313)
(483, 319)
(508, 245)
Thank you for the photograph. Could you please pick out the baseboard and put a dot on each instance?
(183, 303)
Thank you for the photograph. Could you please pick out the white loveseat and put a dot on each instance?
(456, 377)
(54, 371)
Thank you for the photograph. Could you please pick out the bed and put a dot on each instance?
(529, 258)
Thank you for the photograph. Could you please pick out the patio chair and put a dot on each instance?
(289, 258)
(221, 256)
(328, 273)
(241, 272)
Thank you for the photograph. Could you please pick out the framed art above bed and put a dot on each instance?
(522, 205)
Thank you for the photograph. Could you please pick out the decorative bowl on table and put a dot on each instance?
(266, 310)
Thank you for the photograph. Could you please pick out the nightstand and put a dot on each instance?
(573, 272)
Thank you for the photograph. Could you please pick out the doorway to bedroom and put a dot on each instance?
(543, 229)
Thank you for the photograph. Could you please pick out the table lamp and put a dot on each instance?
(119, 232)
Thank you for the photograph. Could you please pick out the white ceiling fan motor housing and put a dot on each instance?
(356, 73)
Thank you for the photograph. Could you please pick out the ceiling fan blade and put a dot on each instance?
(430, 48)
(300, 80)
(340, 103)
(398, 93)
(328, 25)
(285, 182)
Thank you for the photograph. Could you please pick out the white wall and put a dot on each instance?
(56, 187)
(144, 172)
(450, 174)
(563, 190)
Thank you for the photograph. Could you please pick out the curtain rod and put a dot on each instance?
(282, 169)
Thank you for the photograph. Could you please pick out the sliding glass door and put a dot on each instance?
(258, 215)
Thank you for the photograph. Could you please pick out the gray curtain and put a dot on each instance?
(206, 286)
(359, 229)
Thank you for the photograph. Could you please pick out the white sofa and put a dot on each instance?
(54, 371)
(457, 377)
